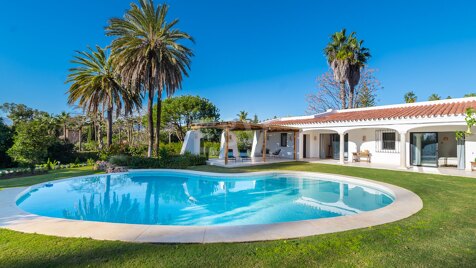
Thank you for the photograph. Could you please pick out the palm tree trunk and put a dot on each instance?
(64, 132)
(80, 136)
(158, 116)
(150, 120)
(342, 95)
(351, 96)
(99, 136)
(109, 126)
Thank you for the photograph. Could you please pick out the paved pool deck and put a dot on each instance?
(406, 204)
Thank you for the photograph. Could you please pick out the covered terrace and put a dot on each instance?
(261, 136)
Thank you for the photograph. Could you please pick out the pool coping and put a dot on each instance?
(406, 203)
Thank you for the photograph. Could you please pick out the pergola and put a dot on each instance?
(243, 126)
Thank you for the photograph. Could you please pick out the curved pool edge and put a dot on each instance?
(405, 204)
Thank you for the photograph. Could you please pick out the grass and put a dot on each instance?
(51, 175)
(442, 234)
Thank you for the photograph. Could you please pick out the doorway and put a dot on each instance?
(335, 144)
(424, 149)
(305, 145)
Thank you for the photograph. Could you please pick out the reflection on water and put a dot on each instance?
(145, 198)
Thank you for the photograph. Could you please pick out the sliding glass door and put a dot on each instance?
(335, 141)
(424, 149)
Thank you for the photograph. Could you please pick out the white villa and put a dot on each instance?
(403, 135)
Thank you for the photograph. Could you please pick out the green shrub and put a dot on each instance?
(61, 151)
(85, 156)
(172, 148)
(165, 161)
(211, 148)
(138, 150)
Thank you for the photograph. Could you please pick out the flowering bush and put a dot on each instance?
(108, 167)
(101, 165)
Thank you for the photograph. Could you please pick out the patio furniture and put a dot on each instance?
(445, 161)
(244, 156)
(276, 153)
(473, 165)
(357, 157)
(230, 155)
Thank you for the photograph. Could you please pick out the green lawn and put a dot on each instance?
(51, 175)
(443, 234)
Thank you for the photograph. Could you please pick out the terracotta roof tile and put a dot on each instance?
(408, 111)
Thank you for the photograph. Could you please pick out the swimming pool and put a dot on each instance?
(185, 198)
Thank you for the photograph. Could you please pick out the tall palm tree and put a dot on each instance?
(339, 57)
(410, 97)
(358, 59)
(64, 119)
(97, 87)
(79, 123)
(243, 116)
(149, 55)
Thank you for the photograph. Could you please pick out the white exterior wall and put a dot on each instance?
(257, 145)
(273, 143)
(313, 144)
(232, 145)
(470, 150)
(357, 143)
(191, 143)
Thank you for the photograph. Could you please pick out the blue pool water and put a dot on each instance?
(174, 198)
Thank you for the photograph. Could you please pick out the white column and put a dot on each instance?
(341, 147)
(403, 149)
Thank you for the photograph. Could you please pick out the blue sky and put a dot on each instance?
(258, 56)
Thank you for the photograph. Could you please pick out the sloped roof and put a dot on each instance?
(238, 125)
(455, 107)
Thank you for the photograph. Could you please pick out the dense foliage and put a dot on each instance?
(178, 114)
(6, 141)
(165, 161)
(31, 145)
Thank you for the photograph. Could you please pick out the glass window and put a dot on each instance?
(284, 139)
(388, 140)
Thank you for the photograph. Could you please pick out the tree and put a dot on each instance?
(358, 59)
(243, 116)
(434, 97)
(255, 119)
(96, 87)
(327, 95)
(150, 55)
(79, 122)
(31, 142)
(64, 119)
(410, 97)
(469, 95)
(338, 56)
(20, 112)
(180, 112)
(6, 141)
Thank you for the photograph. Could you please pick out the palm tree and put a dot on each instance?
(243, 116)
(64, 119)
(79, 122)
(339, 56)
(359, 58)
(410, 97)
(434, 97)
(150, 56)
(97, 87)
